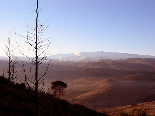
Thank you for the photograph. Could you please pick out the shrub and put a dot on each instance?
(121, 113)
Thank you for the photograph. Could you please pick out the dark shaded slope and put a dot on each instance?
(16, 100)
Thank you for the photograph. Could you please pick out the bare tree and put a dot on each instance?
(39, 47)
(11, 61)
(36, 62)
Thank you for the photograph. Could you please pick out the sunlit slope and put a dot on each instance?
(85, 88)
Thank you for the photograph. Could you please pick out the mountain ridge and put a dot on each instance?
(94, 56)
(90, 56)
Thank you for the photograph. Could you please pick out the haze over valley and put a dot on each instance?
(100, 83)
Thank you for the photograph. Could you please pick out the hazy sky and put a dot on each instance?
(126, 26)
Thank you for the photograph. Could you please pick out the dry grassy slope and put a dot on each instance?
(85, 88)
(148, 107)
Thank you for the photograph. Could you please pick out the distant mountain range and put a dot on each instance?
(92, 56)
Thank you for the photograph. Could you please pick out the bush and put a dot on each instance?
(121, 113)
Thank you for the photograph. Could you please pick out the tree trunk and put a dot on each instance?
(36, 63)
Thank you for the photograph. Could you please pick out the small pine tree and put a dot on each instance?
(57, 88)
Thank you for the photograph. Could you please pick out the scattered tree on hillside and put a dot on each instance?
(57, 88)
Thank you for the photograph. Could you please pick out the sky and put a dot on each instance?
(124, 26)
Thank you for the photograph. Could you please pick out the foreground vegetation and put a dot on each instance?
(16, 99)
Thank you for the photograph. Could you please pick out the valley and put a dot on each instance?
(100, 84)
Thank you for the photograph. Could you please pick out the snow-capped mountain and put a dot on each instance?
(94, 56)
